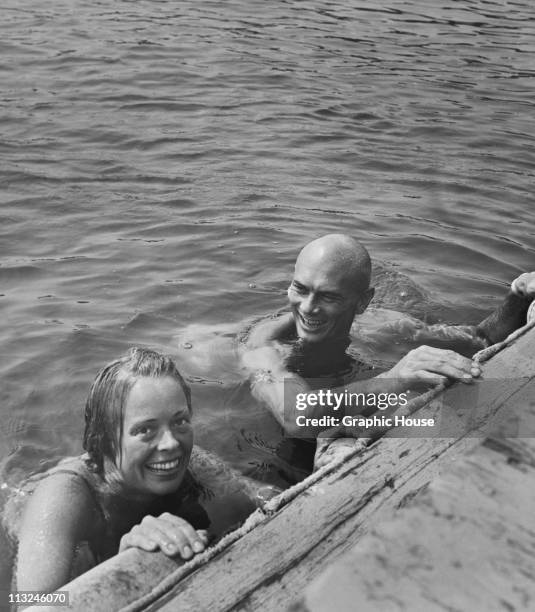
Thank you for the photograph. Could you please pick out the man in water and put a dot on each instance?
(330, 287)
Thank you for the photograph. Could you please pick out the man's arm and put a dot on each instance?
(511, 314)
(280, 390)
(274, 385)
(467, 339)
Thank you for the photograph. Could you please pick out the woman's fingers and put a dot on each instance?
(170, 541)
(182, 533)
(171, 534)
(136, 539)
(203, 534)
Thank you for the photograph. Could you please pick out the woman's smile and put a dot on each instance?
(157, 436)
(166, 469)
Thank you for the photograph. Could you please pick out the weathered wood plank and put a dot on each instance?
(271, 564)
(466, 543)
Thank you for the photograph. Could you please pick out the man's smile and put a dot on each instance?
(313, 323)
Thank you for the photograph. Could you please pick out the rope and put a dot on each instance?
(486, 353)
(274, 505)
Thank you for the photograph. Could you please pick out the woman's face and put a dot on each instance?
(157, 436)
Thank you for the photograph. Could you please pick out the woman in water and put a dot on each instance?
(132, 487)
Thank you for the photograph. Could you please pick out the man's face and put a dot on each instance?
(323, 302)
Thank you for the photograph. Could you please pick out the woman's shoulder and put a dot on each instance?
(60, 489)
(71, 479)
(67, 488)
(59, 515)
(62, 493)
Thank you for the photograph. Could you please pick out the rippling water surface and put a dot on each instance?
(162, 162)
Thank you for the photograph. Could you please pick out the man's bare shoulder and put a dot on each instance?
(278, 327)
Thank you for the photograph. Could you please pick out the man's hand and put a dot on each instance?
(168, 533)
(524, 285)
(433, 366)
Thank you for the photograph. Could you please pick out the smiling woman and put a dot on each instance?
(157, 441)
(132, 488)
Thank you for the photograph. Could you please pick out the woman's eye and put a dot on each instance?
(143, 430)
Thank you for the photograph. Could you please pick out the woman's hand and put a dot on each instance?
(168, 533)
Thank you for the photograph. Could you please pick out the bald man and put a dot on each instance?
(330, 286)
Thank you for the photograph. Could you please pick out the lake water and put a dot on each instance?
(162, 163)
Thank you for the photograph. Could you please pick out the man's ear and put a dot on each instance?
(364, 299)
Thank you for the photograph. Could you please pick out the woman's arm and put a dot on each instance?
(57, 518)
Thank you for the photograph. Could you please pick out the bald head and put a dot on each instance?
(331, 285)
(338, 256)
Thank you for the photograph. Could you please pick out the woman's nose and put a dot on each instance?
(167, 441)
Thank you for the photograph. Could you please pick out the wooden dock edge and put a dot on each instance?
(271, 561)
(466, 543)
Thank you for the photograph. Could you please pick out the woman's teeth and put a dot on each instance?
(164, 466)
